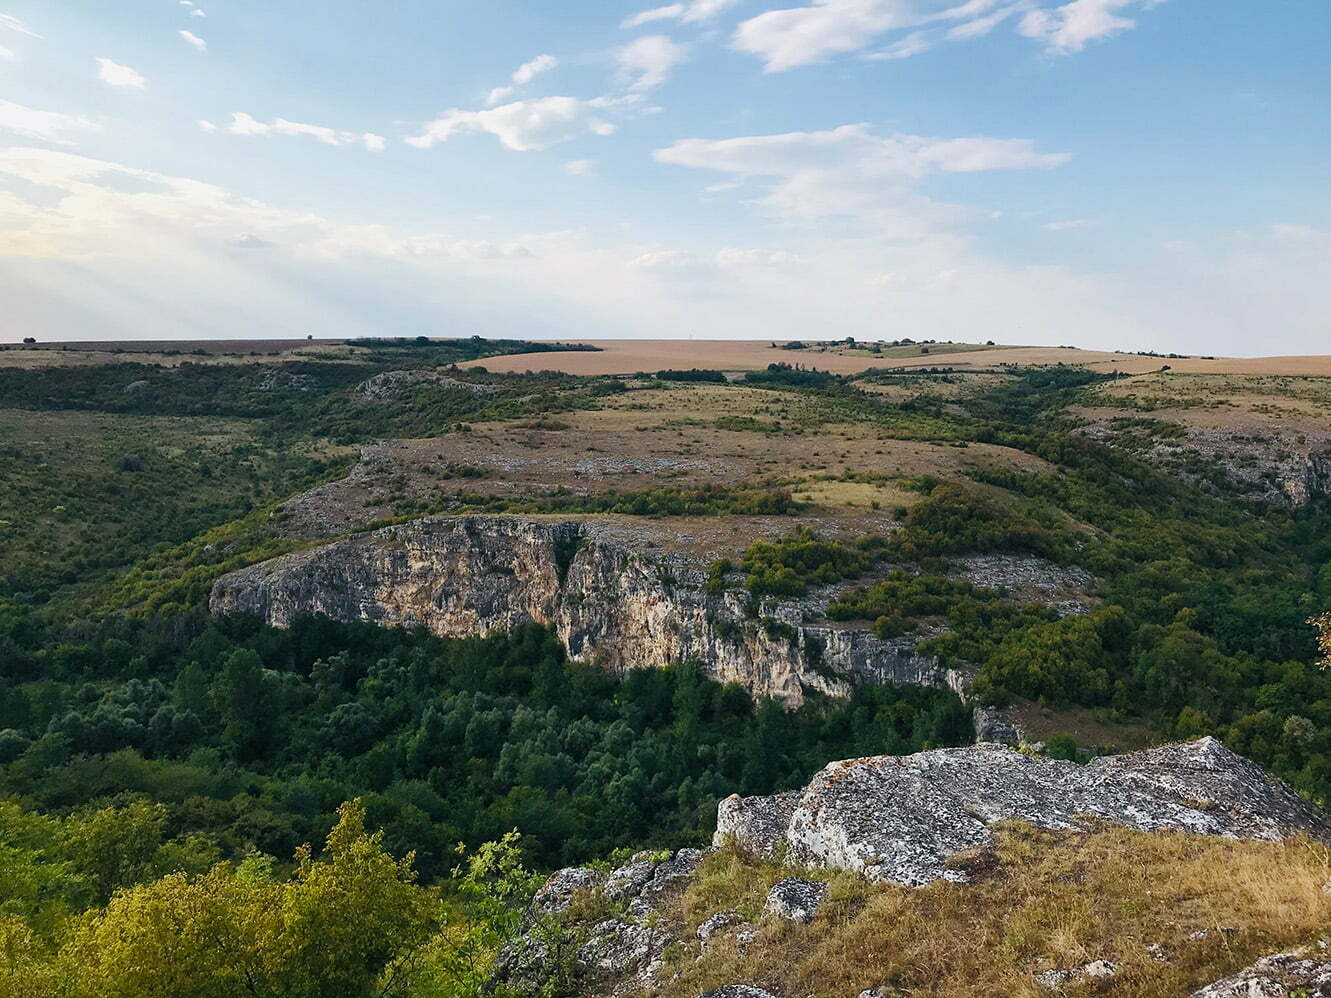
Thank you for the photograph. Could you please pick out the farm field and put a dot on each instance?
(630, 356)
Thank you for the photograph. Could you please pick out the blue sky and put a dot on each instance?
(1121, 173)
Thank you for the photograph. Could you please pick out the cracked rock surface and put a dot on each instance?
(901, 819)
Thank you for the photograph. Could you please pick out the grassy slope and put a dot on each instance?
(1038, 900)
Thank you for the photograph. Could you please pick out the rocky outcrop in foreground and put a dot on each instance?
(609, 602)
(901, 819)
(1302, 973)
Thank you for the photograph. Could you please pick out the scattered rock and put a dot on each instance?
(796, 899)
(1305, 973)
(1057, 980)
(135, 386)
(715, 923)
(738, 991)
(900, 819)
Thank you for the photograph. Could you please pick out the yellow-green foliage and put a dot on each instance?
(1037, 900)
(352, 922)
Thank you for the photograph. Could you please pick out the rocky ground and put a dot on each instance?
(661, 921)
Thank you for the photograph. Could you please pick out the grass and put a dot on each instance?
(1037, 900)
(84, 495)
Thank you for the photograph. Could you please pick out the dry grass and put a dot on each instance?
(629, 356)
(1038, 900)
(685, 436)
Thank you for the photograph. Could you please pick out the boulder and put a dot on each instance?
(1054, 981)
(900, 819)
(1305, 973)
(628, 952)
(795, 899)
(627, 882)
(716, 923)
(668, 879)
(738, 991)
(554, 897)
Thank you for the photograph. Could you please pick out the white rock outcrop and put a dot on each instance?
(901, 819)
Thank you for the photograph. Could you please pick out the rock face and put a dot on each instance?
(1305, 973)
(610, 604)
(391, 384)
(900, 819)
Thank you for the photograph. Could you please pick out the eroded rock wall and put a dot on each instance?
(611, 604)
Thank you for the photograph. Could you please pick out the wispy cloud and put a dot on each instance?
(194, 40)
(523, 75)
(1071, 27)
(53, 126)
(8, 22)
(646, 63)
(687, 13)
(114, 74)
(799, 36)
(851, 172)
(523, 126)
(245, 124)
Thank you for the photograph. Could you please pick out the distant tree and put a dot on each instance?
(1322, 623)
(29, 339)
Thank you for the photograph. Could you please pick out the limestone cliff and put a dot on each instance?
(610, 601)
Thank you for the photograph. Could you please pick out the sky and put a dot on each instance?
(1133, 174)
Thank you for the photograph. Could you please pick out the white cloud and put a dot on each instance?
(913, 44)
(197, 13)
(1065, 224)
(798, 36)
(579, 167)
(523, 75)
(689, 13)
(206, 126)
(784, 39)
(732, 257)
(671, 260)
(53, 126)
(1070, 27)
(647, 62)
(115, 75)
(980, 26)
(523, 126)
(194, 40)
(244, 124)
(5, 53)
(529, 70)
(850, 171)
(9, 22)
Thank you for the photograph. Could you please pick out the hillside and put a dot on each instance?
(558, 618)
